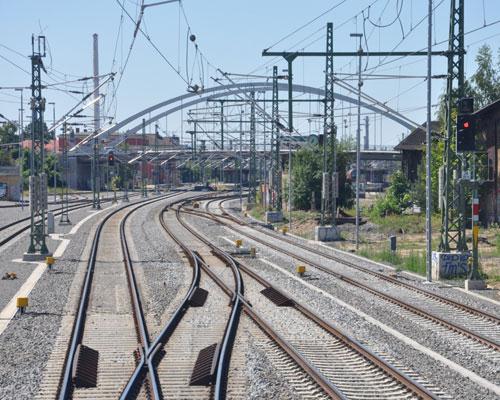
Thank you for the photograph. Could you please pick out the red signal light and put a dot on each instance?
(466, 124)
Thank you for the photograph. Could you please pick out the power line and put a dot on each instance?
(307, 24)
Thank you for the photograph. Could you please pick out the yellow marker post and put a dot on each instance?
(301, 269)
(238, 243)
(21, 304)
(475, 235)
(284, 230)
(49, 261)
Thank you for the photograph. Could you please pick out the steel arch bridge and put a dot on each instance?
(187, 100)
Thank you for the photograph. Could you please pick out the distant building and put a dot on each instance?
(10, 183)
(412, 149)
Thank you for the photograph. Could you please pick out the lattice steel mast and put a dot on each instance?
(38, 179)
(277, 194)
(252, 179)
(329, 133)
(452, 196)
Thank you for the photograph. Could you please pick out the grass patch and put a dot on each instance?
(497, 244)
(492, 278)
(407, 224)
(384, 255)
(414, 261)
(257, 212)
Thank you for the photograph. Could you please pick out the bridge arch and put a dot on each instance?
(190, 99)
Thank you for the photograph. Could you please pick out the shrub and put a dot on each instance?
(397, 198)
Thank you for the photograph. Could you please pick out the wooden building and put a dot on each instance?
(412, 149)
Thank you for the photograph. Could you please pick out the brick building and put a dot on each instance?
(488, 141)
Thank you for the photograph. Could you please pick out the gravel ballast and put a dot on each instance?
(435, 373)
(27, 342)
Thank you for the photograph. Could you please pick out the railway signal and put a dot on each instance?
(466, 132)
(111, 159)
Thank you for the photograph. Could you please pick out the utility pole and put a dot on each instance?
(155, 165)
(96, 176)
(290, 186)
(241, 161)
(252, 168)
(265, 191)
(143, 160)
(222, 124)
(202, 162)
(277, 197)
(366, 142)
(222, 139)
(126, 173)
(54, 152)
(289, 58)
(428, 149)
(193, 150)
(21, 149)
(64, 220)
(358, 136)
(37, 249)
(474, 274)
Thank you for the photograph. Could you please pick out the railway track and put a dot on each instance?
(460, 307)
(171, 355)
(453, 318)
(57, 212)
(340, 366)
(109, 332)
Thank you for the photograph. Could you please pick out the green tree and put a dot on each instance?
(484, 87)
(48, 168)
(306, 177)
(307, 167)
(486, 80)
(8, 133)
(346, 191)
(46, 135)
(397, 198)
(8, 141)
(5, 157)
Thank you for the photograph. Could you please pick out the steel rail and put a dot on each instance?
(82, 203)
(424, 314)
(353, 344)
(25, 228)
(138, 311)
(380, 275)
(316, 375)
(223, 359)
(10, 224)
(172, 324)
(66, 387)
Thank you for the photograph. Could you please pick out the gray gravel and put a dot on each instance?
(265, 382)
(161, 271)
(441, 288)
(435, 373)
(375, 338)
(27, 342)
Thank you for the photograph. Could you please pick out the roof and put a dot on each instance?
(490, 107)
(416, 139)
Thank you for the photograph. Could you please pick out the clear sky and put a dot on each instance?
(231, 35)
